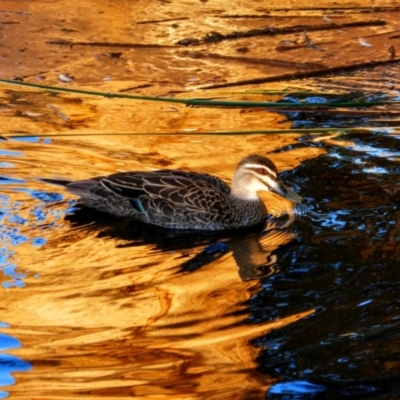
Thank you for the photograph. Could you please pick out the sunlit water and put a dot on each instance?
(99, 307)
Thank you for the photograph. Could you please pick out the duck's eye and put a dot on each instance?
(262, 171)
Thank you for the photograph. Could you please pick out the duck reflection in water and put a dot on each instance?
(253, 249)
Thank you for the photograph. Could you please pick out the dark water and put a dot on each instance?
(382, 116)
(347, 266)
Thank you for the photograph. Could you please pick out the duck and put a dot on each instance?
(184, 200)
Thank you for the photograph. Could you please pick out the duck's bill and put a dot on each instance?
(284, 191)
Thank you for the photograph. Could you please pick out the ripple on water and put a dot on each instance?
(16, 220)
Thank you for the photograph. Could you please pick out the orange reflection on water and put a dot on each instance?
(102, 316)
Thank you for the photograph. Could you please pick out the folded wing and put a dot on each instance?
(168, 198)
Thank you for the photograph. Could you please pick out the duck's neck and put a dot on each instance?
(243, 190)
(249, 209)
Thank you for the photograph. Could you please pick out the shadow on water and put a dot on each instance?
(349, 271)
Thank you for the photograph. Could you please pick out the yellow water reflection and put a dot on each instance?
(102, 318)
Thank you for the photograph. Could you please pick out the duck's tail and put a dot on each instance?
(79, 188)
(60, 182)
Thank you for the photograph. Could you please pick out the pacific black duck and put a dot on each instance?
(186, 200)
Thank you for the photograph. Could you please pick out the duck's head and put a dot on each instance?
(257, 173)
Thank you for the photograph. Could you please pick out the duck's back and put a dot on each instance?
(169, 198)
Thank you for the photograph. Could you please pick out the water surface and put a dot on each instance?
(95, 307)
(104, 307)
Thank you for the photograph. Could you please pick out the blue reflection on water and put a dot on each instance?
(8, 342)
(364, 303)
(11, 153)
(9, 181)
(9, 363)
(46, 197)
(29, 139)
(375, 170)
(39, 241)
(11, 223)
(298, 389)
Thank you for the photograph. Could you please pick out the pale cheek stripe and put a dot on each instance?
(270, 182)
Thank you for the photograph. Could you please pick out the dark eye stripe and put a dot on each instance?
(267, 172)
